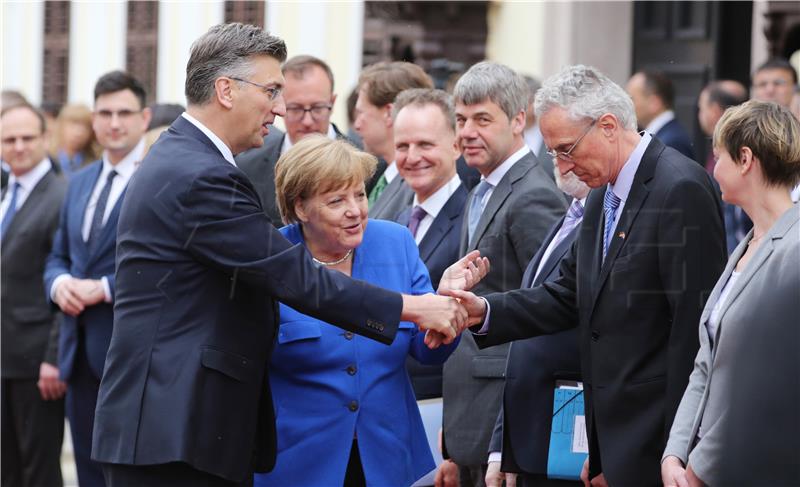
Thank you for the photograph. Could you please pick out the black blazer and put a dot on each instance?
(522, 431)
(674, 135)
(199, 268)
(438, 250)
(28, 322)
(637, 312)
(259, 165)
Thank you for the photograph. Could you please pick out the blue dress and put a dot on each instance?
(330, 386)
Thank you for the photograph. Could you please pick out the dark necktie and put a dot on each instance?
(417, 214)
(100, 210)
(475, 207)
(610, 204)
(10, 212)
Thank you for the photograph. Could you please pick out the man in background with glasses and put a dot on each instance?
(79, 274)
(309, 98)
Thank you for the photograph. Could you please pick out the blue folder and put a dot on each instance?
(568, 445)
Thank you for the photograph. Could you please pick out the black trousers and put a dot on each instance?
(532, 480)
(32, 434)
(354, 476)
(176, 474)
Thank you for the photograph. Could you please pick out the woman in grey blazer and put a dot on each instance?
(757, 147)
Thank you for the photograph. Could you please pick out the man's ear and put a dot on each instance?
(224, 91)
(518, 123)
(608, 125)
(387, 114)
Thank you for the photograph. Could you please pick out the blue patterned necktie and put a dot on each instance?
(574, 216)
(475, 207)
(10, 212)
(100, 210)
(417, 214)
(610, 204)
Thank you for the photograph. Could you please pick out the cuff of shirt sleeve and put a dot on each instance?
(106, 289)
(495, 456)
(58, 280)
(485, 327)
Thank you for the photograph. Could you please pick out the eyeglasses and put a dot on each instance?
(106, 115)
(318, 112)
(775, 82)
(271, 91)
(565, 156)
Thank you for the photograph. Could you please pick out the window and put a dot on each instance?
(55, 69)
(141, 53)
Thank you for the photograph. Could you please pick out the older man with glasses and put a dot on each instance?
(309, 98)
(649, 251)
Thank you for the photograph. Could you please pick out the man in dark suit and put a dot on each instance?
(426, 153)
(309, 101)
(508, 216)
(185, 398)
(519, 448)
(650, 249)
(653, 98)
(32, 422)
(79, 274)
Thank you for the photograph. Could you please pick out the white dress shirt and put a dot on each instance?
(218, 143)
(658, 123)
(495, 176)
(622, 187)
(27, 182)
(287, 143)
(391, 172)
(434, 204)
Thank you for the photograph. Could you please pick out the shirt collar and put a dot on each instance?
(218, 143)
(658, 123)
(391, 172)
(434, 204)
(495, 176)
(622, 187)
(128, 164)
(30, 179)
(287, 142)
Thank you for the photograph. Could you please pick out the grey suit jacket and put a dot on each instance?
(512, 227)
(29, 327)
(753, 300)
(396, 197)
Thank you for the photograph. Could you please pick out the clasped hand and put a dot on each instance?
(74, 295)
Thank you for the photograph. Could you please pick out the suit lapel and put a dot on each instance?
(109, 230)
(26, 213)
(79, 210)
(557, 254)
(443, 224)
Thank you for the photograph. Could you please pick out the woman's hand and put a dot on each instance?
(464, 274)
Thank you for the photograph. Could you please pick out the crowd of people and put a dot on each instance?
(211, 301)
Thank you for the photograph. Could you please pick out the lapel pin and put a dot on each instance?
(621, 235)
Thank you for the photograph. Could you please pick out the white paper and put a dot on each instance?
(580, 443)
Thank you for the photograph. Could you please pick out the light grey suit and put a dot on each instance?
(512, 227)
(765, 292)
(396, 197)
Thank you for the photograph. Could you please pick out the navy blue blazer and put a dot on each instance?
(71, 255)
(674, 135)
(199, 267)
(522, 431)
(438, 250)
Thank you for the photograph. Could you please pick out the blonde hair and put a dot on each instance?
(316, 165)
(76, 113)
(772, 134)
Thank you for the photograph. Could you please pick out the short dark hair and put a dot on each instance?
(719, 95)
(383, 81)
(227, 50)
(27, 106)
(657, 83)
(778, 63)
(298, 65)
(118, 81)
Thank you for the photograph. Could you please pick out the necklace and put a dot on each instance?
(335, 262)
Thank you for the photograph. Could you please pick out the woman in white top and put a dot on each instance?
(757, 147)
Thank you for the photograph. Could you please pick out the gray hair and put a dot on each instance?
(494, 82)
(585, 92)
(425, 96)
(227, 50)
(533, 87)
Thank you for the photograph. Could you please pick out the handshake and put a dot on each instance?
(446, 315)
(73, 295)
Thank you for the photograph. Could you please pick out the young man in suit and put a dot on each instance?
(775, 80)
(653, 98)
(426, 153)
(649, 251)
(80, 269)
(185, 397)
(309, 98)
(508, 216)
(32, 422)
(519, 449)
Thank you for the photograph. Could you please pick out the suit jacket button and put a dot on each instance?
(353, 406)
(351, 369)
(595, 336)
(348, 335)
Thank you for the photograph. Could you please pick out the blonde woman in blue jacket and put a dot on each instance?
(344, 407)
